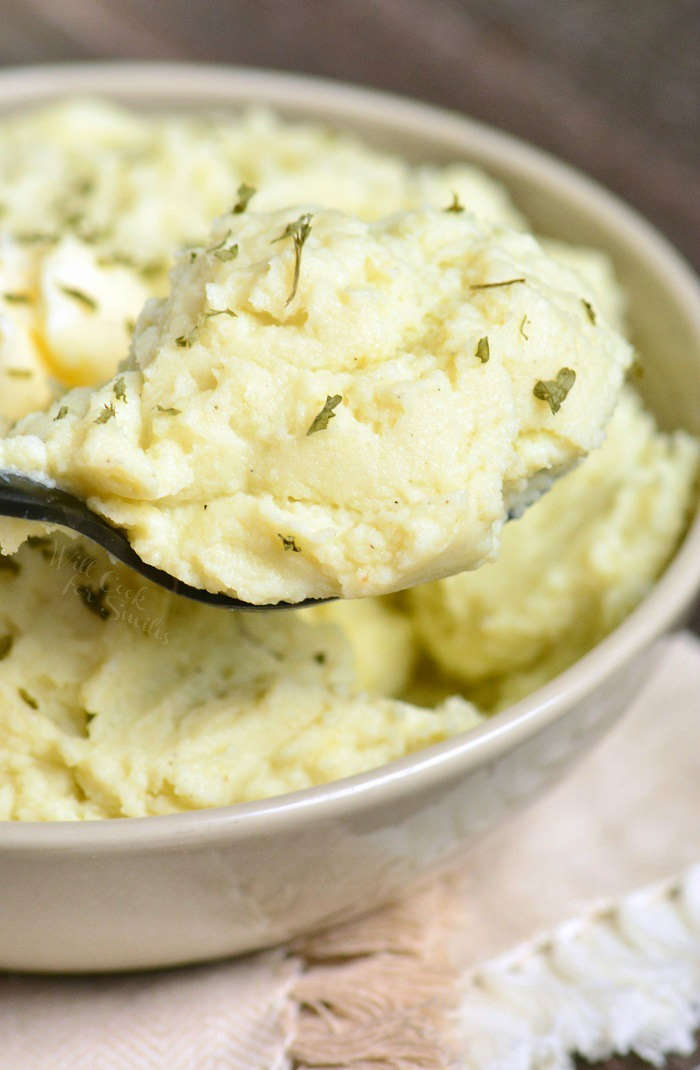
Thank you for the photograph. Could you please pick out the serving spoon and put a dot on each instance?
(28, 499)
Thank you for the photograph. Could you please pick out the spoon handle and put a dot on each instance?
(28, 499)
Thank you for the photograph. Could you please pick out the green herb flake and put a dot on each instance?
(482, 350)
(62, 412)
(493, 285)
(153, 268)
(455, 205)
(32, 237)
(17, 298)
(6, 642)
(29, 699)
(321, 420)
(320, 658)
(636, 369)
(229, 252)
(298, 231)
(73, 219)
(521, 328)
(116, 259)
(19, 373)
(79, 295)
(555, 391)
(222, 251)
(107, 413)
(590, 311)
(93, 599)
(245, 192)
(289, 543)
(184, 341)
(119, 389)
(168, 412)
(219, 312)
(129, 326)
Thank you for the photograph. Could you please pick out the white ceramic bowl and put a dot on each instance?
(156, 891)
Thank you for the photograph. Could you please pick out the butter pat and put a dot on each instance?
(347, 414)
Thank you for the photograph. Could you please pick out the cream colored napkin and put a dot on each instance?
(431, 982)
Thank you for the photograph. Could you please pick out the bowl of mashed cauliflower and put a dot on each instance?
(180, 782)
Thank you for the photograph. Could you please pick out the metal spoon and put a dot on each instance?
(29, 500)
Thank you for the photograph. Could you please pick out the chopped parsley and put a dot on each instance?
(79, 295)
(289, 543)
(245, 192)
(222, 251)
(20, 373)
(455, 205)
(29, 699)
(321, 420)
(219, 312)
(636, 369)
(63, 411)
(106, 414)
(521, 328)
(17, 298)
(320, 658)
(33, 237)
(93, 599)
(119, 389)
(184, 341)
(229, 252)
(482, 350)
(116, 259)
(6, 642)
(168, 411)
(493, 285)
(298, 231)
(153, 268)
(555, 391)
(84, 186)
(590, 311)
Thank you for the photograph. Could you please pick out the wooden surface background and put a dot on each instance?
(613, 86)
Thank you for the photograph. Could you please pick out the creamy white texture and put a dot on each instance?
(120, 700)
(570, 570)
(427, 332)
(99, 199)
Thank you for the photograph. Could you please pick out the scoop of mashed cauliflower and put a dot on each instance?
(570, 570)
(118, 699)
(324, 406)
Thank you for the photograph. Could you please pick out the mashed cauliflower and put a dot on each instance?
(95, 201)
(569, 570)
(118, 699)
(335, 407)
(124, 700)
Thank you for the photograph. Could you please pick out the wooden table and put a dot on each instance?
(613, 88)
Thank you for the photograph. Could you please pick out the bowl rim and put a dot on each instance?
(667, 600)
